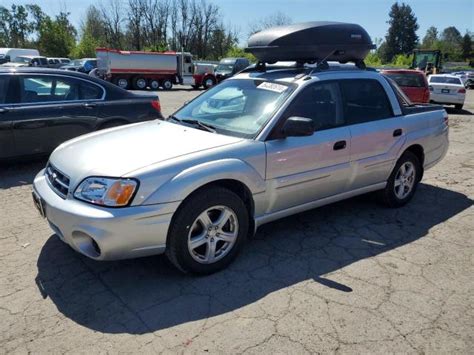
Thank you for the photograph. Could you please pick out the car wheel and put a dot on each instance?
(207, 231)
(403, 181)
(139, 83)
(209, 82)
(167, 84)
(154, 84)
(458, 107)
(121, 82)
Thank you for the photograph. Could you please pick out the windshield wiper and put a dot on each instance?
(199, 124)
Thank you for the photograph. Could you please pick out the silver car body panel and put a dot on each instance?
(283, 176)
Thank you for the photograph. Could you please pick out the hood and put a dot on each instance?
(118, 151)
(14, 65)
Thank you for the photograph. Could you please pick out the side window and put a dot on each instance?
(321, 103)
(41, 88)
(364, 100)
(90, 91)
(4, 80)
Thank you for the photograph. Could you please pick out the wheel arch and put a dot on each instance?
(233, 174)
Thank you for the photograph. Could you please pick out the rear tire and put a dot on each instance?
(139, 83)
(458, 107)
(209, 82)
(167, 84)
(403, 181)
(154, 84)
(207, 231)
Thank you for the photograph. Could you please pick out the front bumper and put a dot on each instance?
(106, 233)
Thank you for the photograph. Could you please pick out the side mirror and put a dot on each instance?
(298, 127)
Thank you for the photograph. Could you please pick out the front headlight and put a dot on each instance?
(108, 192)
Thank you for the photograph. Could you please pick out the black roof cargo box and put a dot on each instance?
(311, 42)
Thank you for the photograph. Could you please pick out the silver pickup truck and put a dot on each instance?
(255, 148)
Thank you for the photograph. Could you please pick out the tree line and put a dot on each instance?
(195, 26)
(401, 40)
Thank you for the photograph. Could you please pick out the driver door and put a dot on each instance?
(309, 168)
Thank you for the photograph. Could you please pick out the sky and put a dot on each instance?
(371, 14)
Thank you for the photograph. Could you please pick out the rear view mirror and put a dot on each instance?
(298, 127)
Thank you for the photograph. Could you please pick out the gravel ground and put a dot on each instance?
(352, 277)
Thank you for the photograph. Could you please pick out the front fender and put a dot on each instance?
(183, 184)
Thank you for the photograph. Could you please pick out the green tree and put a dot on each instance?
(466, 46)
(57, 37)
(93, 34)
(450, 44)
(430, 39)
(373, 60)
(236, 52)
(401, 37)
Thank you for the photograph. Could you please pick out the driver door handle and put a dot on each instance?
(89, 105)
(4, 110)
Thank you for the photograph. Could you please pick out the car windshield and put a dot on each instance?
(225, 68)
(238, 108)
(21, 60)
(407, 79)
(444, 80)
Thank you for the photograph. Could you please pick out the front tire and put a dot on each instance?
(458, 106)
(207, 231)
(403, 181)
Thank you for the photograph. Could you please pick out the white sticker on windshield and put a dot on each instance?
(272, 87)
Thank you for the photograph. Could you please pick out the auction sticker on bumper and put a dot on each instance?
(39, 203)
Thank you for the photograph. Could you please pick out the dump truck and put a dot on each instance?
(141, 70)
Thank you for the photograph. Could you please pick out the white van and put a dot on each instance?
(9, 54)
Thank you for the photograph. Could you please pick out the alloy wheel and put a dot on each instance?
(213, 234)
(404, 180)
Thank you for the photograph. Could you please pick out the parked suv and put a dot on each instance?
(230, 66)
(27, 61)
(412, 82)
(255, 148)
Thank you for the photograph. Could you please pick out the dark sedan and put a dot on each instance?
(41, 108)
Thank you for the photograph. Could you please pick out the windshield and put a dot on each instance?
(238, 108)
(78, 62)
(422, 59)
(225, 68)
(408, 80)
(444, 80)
(21, 60)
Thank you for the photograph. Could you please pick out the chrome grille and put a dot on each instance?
(58, 181)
